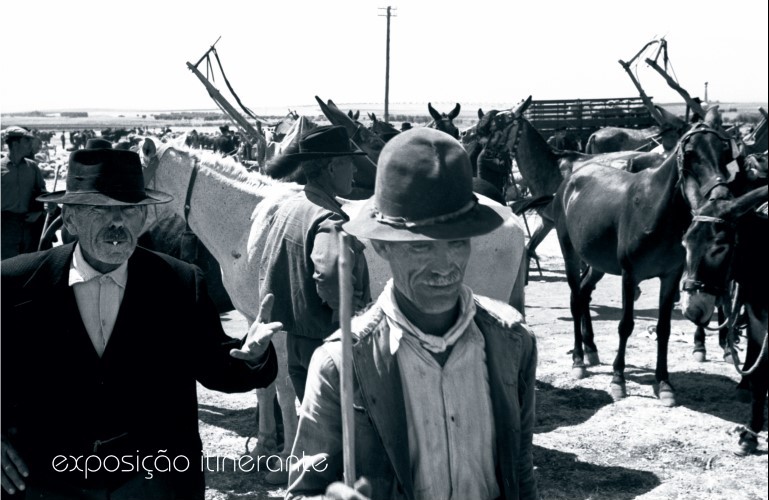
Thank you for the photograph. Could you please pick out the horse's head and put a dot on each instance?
(365, 139)
(710, 242)
(445, 122)
(707, 160)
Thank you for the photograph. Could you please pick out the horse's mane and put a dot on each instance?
(230, 170)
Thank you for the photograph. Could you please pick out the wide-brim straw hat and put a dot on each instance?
(424, 191)
(105, 177)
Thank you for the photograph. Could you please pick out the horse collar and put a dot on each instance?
(190, 186)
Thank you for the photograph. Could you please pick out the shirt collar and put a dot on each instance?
(80, 271)
(399, 325)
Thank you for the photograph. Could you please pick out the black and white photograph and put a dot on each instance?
(353, 250)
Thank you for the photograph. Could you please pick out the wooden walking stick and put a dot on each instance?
(346, 370)
(47, 220)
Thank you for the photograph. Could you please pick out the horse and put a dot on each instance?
(229, 208)
(611, 139)
(444, 122)
(362, 137)
(508, 135)
(565, 140)
(384, 130)
(727, 241)
(632, 224)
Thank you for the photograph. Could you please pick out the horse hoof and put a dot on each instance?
(664, 392)
(700, 356)
(578, 372)
(747, 445)
(592, 359)
(618, 392)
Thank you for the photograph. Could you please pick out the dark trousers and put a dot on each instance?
(300, 351)
(16, 235)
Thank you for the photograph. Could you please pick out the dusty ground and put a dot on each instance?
(586, 446)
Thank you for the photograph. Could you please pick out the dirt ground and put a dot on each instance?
(586, 446)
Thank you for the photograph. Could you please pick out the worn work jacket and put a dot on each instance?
(306, 290)
(381, 434)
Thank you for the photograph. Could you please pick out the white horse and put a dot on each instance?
(229, 209)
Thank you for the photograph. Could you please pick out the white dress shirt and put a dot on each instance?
(98, 297)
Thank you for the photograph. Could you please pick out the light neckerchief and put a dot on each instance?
(400, 325)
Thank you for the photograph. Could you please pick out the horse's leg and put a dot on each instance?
(758, 380)
(590, 278)
(539, 234)
(572, 262)
(618, 389)
(668, 289)
(286, 395)
(278, 472)
(723, 333)
(700, 352)
(266, 443)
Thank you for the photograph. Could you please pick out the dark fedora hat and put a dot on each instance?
(324, 142)
(424, 191)
(98, 143)
(105, 177)
(320, 142)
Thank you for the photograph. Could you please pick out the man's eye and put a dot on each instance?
(420, 247)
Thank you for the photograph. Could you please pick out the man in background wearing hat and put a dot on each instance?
(103, 345)
(302, 247)
(21, 181)
(443, 379)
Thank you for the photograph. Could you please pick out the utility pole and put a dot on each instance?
(387, 66)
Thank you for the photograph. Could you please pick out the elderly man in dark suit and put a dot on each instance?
(102, 346)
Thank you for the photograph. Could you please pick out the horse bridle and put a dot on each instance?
(716, 181)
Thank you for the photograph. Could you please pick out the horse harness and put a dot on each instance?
(716, 181)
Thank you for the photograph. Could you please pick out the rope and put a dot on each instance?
(731, 341)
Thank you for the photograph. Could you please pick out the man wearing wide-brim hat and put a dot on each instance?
(103, 345)
(22, 181)
(444, 379)
(302, 250)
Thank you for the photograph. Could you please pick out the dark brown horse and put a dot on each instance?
(632, 224)
(364, 138)
(384, 130)
(508, 135)
(727, 240)
(444, 122)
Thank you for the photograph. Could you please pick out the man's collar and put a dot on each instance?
(81, 271)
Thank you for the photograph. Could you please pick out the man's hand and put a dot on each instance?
(14, 468)
(340, 491)
(260, 333)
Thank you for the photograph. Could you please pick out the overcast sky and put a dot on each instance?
(81, 54)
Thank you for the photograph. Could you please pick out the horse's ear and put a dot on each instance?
(454, 112)
(148, 148)
(713, 117)
(436, 116)
(349, 113)
(480, 113)
(357, 115)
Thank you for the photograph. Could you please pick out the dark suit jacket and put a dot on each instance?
(139, 398)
